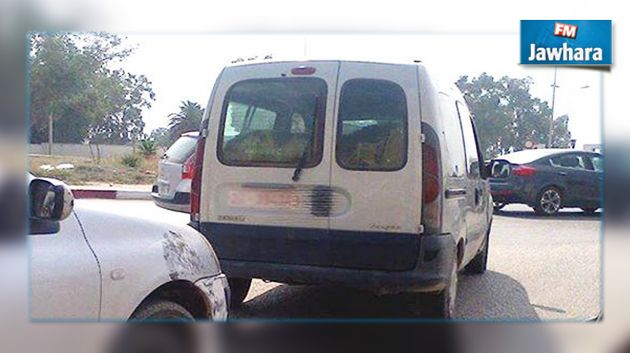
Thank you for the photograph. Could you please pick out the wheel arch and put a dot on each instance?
(182, 292)
(540, 190)
(460, 249)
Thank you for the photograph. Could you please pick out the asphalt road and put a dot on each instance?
(540, 268)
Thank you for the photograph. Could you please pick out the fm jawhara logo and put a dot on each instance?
(566, 42)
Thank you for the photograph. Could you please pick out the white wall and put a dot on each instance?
(82, 150)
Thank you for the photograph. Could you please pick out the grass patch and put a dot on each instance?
(86, 171)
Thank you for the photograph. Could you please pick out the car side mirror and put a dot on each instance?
(50, 200)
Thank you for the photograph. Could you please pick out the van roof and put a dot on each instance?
(275, 61)
(447, 87)
(442, 85)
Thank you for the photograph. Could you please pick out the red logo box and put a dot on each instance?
(565, 30)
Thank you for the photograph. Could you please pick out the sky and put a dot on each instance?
(184, 66)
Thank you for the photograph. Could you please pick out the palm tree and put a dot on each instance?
(187, 119)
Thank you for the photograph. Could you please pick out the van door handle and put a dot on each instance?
(450, 193)
(562, 173)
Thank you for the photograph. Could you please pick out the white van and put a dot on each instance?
(359, 174)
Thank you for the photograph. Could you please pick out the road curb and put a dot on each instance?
(111, 194)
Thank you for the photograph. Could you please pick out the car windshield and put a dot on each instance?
(183, 148)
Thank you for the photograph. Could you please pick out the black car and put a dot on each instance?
(548, 180)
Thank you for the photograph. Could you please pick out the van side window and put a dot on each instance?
(273, 122)
(372, 126)
(453, 137)
(470, 142)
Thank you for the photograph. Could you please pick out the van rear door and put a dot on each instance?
(377, 167)
(266, 175)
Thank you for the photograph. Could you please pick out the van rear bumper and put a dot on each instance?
(316, 247)
(430, 274)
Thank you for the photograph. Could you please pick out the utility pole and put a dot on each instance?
(553, 103)
(50, 134)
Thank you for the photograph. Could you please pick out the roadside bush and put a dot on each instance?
(63, 175)
(147, 147)
(131, 160)
(87, 171)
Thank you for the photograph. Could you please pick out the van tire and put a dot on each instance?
(238, 290)
(479, 263)
(441, 305)
(161, 310)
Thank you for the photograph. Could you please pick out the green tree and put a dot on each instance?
(147, 147)
(124, 124)
(160, 136)
(507, 116)
(74, 80)
(187, 119)
(561, 134)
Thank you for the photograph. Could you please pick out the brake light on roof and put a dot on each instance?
(303, 70)
(524, 171)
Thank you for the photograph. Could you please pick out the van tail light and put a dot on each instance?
(523, 171)
(195, 184)
(430, 174)
(188, 169)
(431, 218)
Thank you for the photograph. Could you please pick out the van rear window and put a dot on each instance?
(273, 122)
(372, 126)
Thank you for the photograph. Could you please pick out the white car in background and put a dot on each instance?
(87, 264)
(172, 187)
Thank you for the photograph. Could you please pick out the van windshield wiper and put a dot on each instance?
(307, 151)
(308, 146)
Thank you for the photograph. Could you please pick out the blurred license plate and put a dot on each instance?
(283, 199)
(163, 189)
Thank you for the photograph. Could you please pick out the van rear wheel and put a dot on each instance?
(442, 305)
(238, 290)
(479, 263)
